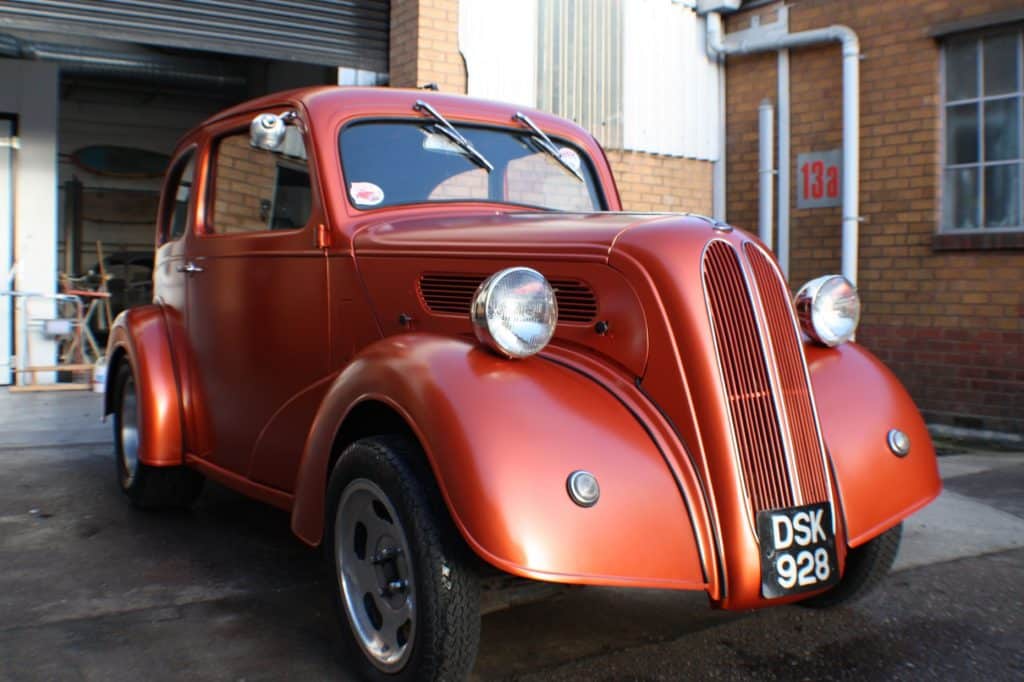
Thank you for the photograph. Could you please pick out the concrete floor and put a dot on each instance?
(91, 589)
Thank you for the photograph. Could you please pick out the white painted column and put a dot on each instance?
(30, 92)
(6, 242)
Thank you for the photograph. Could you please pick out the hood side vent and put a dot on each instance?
(448, 293)
(576, 301)
(452, 294)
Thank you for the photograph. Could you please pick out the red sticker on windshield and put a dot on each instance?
(365, 194)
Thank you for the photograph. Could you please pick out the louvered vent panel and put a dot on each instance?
(453, 293)
(792, 378)
(449, 293)
(576, 301)
(745, 377)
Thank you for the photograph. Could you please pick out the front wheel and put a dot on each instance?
(146, 486)
(865, 567)
(406, 583)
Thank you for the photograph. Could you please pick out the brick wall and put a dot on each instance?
(425, 45)
(650, 182)
(244, 178)
(950, 323)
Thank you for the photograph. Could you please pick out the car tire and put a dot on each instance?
(406, 585)
(147, 487)
(865, 567)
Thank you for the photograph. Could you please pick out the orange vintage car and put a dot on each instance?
(423, 326)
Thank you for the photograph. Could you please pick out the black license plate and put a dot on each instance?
(798, 550)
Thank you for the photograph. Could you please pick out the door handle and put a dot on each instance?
(190, 268)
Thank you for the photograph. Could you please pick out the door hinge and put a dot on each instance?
(12, 142)
(323, 236)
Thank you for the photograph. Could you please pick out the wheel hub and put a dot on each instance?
(375, 574)
(129, 432)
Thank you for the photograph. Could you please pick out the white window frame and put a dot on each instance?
(981, 164)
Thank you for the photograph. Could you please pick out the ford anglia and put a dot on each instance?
(423, 326)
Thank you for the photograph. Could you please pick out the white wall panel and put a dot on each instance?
(499, 43)
(30, 91)
(670, 87)
(6, 240)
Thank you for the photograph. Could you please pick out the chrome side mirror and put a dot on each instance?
(267, 131)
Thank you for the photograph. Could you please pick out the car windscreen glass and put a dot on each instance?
(388, 163)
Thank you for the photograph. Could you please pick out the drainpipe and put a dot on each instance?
(765, 136)
(718, 177)
(717, 48)
(785, 163)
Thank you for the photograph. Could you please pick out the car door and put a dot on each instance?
(257, 304)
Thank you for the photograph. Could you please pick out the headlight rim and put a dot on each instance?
(805, 304)
(482, 323)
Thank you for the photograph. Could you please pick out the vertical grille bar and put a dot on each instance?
(795, 394)
(745, 374)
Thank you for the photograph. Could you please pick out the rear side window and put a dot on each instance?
(177, 214)
(255, 190)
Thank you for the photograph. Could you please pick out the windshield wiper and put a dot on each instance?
(449, 131)
(545, 143)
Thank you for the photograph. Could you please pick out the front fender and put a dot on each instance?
(139, 337)
(501, 438)
(859, 400)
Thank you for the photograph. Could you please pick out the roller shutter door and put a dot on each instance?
(351, 33)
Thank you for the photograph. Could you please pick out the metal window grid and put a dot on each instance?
(980, 101)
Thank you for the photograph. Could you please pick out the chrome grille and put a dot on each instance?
(794, 393)
(745, 375)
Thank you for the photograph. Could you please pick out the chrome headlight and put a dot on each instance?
(829, 309)
(515, 312)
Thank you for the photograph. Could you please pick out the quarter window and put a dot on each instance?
(176, 220)
(255, 190)
(984, 125)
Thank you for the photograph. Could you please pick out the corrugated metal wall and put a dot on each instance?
(670, 87)
(579, 66)
(633, 72)
(351, 33)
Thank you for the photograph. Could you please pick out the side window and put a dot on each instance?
(255, 190)
(176, 218)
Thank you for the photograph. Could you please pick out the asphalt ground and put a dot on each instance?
(91, 589)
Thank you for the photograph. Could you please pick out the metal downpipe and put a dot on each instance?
(844, 35)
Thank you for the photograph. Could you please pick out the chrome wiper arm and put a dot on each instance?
(545, 143)
(454, 135)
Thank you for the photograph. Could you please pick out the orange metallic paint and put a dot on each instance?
(682, 378)
(625, 343)
(248, 279)
(502, 437)
(641, 407)
(858, 401)
(139, 337)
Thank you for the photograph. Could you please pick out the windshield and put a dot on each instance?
(387, 163)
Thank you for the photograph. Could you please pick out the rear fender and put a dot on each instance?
(859, 400)
(501, 437)
(139, 336)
